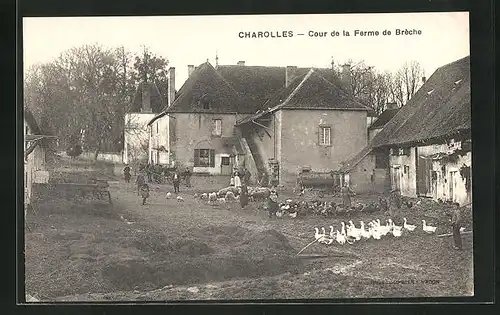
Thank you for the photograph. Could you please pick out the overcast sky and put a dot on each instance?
(185, 40)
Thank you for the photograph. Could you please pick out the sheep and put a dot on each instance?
(221, 200)
(212, 197)
(230, 196)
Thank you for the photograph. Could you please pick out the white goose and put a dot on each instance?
(427, 228)
(396, 230)
(340, 238)
(375, 231)
(348, 238)
(384, 229)
(408, 227)
(317, 235)
(364, 233)
(354, 232)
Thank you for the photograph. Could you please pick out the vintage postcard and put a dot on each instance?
(247, 157)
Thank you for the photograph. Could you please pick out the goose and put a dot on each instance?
(427, 228)
(375, 232)
(169, 195)
(384, 229)
(323, 231)
(364, 233)
(332, 235)
(348, 238)
(317, 235)
(340, 238)
(326, 241)
(293, 215)
(353, 231)
(396, 231)
(407, 226)
(289, 201)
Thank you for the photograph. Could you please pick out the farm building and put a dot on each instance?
(235, 115)
(146, 104)
(35, 145)
(428, 142)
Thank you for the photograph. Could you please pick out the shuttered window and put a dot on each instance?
(217, 127)
(204, 158)
(325, 136)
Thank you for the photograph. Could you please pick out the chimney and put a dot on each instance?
(290, 75)
(346, 76)
(171, 86)
(391, 105)
(146, 98)
(241, 63)
(190, 70)
(424, 79)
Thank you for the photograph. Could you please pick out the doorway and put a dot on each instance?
(396, 178)
(226, 168)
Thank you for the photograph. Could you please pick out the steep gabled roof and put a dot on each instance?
(205, 85)
(309, 91)
(157, 101)
(383, 118)
(441, 107)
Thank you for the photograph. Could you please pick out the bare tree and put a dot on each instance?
(406, 82)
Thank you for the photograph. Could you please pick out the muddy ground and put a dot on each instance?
(87, 250)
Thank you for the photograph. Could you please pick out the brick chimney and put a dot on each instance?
(171, 86)
(190, 70)
(146, 98)
(391, 105)
(241, 63)
(290, 75)
(345, 76)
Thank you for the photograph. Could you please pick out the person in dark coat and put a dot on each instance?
(187, 177)
(176, 179)
(243, 195)
(246, 176)
(126, 173)
(272, 204)
(140, 180)
(456, 223)
(144, 193)
(346, 196)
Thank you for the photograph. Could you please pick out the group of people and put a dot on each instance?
(145, 173)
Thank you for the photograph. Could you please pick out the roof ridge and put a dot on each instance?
(306, 77)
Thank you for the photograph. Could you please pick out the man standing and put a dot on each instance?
(456, 223)
(149, 170)
(176, 180)
(126, 173)
(187, 177)
(140, 180)
(243, 195)
(346, 196)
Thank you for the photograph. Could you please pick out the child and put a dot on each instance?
(126, 173)
(272, 204)
(176, 180)
(237, 179)
(144, 193)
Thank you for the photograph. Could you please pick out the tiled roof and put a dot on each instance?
(441, 107)
(383, 118)
(309, 91)
(206, 86)
(157, 101)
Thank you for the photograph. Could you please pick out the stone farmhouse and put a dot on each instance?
(426, 146)
(268, 119)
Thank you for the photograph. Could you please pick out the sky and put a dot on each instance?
(185, 40)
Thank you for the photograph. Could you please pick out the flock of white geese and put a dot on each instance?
(350, 233)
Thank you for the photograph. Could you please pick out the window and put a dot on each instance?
(217, 127)
(324, 136)
(204, 158)
(406, 169)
